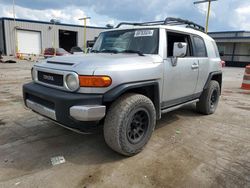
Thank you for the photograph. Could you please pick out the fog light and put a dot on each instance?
(72, 82)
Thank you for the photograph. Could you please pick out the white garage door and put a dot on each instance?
(29, 42)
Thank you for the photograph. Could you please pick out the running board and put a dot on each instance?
(178, 106)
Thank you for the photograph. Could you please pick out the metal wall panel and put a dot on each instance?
(235, 52)
(1, 37)
(47, 33)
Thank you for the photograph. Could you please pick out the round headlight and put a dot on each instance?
(72, 82)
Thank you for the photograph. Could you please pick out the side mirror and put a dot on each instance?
(180, 49)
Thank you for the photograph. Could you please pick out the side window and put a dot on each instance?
(177, 37)
(200, 47)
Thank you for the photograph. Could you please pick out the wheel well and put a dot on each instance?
(150, 91)
(218, 78)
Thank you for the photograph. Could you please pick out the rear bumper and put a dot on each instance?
(77, 111)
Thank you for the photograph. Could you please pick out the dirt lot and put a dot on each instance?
(186, 150)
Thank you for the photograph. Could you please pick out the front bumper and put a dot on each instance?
(73, 110)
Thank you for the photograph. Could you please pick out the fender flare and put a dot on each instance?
(114, 93)
(210, 76)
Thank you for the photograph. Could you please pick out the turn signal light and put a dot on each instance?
(95, 81)
(223, 64)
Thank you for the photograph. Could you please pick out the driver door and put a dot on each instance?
(180, 78)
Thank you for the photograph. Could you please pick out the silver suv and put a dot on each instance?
(134, 74)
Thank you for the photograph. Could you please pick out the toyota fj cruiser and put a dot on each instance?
(132, 76)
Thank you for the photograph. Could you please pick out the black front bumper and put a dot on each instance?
(60, 102)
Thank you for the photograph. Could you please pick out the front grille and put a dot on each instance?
(50, 78)
(41, 101)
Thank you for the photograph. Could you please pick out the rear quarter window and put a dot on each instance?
(199, 47)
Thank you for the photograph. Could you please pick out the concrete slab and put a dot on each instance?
(186, 150)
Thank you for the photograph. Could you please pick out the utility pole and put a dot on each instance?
(85, 30)
(54, 22)
(208, 10)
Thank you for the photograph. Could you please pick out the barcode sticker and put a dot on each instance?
(144, 33)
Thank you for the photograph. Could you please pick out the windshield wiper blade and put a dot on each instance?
(108, 51)
(133, 51)
(95, 51)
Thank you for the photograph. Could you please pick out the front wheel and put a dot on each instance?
(129, 124)
(209, 99)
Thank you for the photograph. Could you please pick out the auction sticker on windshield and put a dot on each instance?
(144, 33)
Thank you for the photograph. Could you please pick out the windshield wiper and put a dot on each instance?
(95, 51)
(108, 51)
(133, 51)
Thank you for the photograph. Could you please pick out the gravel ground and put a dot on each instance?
(186, 150)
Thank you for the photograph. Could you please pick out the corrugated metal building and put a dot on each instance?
(32, 37)
(234, 47)
(2, 45)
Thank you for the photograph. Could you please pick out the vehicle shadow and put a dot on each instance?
(28, 148)
(40, 139)
(173, 116)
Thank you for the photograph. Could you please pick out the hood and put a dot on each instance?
(90, 62)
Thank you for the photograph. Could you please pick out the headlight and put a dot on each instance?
(72, 81)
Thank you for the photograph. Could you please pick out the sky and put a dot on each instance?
(226, 15)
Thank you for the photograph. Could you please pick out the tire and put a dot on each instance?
(129, 124)
(209, 99)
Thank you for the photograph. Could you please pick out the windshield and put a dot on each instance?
(141, 41)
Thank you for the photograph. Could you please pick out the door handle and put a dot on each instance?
(195, 66)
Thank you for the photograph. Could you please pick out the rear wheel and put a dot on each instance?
(129, 124)
(209, 99)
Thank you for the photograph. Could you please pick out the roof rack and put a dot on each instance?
(167, 21)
